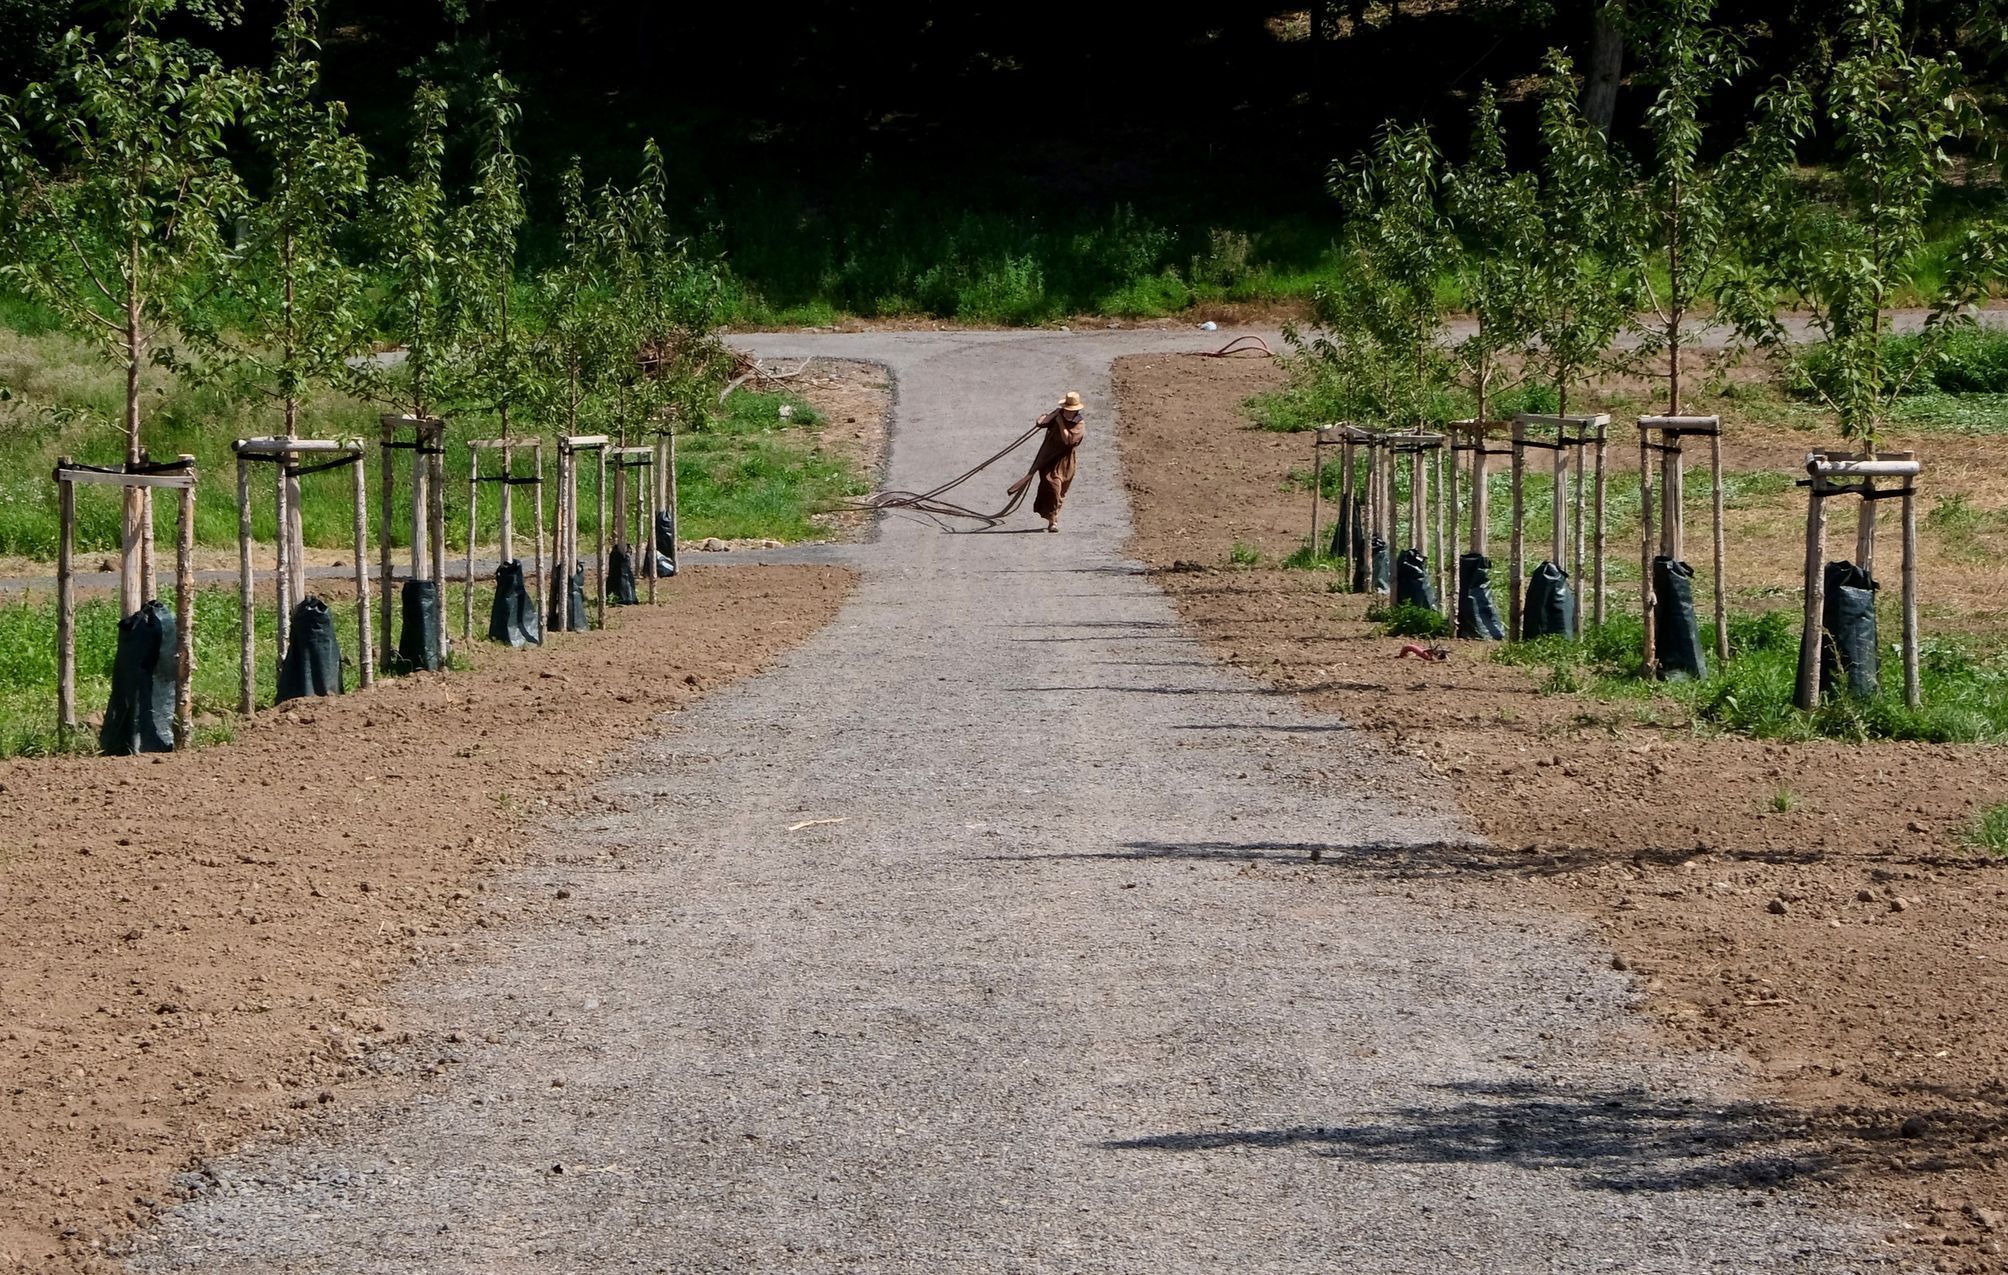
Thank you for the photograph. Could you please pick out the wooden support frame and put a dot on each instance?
(284, 454)
(428, 522)
(1473, 438)
(566, 533)
(1662, 517)
(1828, 476)
(1580, 449)
(507, 479)
(141, 480)
(641, 496)
(1424, 452)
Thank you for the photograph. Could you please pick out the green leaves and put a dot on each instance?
(1841, 258)
(118, 188)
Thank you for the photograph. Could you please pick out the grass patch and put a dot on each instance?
(1990, 830)
(1244, 554)
(752, 472)
(1965, 691)
(1409, 620)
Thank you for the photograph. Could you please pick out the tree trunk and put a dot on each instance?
(1606, 65)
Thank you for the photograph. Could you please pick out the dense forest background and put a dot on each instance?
(998, 159)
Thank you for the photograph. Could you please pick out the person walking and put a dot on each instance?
(1053, 468)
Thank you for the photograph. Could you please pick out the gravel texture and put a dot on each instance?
(1061, 991)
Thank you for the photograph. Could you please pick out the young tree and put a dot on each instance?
(302, 314)
(1841, 259)
(1497, 218)
(486, 230)
(115, 188)
(1687, 61)
(418, 256)
(1396, 194)
(1581, 279)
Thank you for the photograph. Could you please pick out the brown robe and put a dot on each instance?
(1054, 466)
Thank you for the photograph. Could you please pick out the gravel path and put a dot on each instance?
(1050, 983)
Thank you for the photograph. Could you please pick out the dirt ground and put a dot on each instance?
(197, 946)
(1851, 946)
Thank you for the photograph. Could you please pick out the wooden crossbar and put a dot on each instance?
(280, 446)
(94, 477)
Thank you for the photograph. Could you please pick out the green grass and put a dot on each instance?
(748, 474)
(1964, 689)
(1410, 620)
(1990, 830)
(1244, 554)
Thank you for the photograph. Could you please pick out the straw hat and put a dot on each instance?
(1071, 403)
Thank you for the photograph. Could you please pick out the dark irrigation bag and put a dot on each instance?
(579, 621)
(418, 642)
(1477, 617)
(1848, 645)
(1358, 556)
(1549, 611)
(665, 544)
(313, 663)
(513, 616)
(1380, 580)
(1411, 580)
(620, 578)
(1676, 631)
(140, 716)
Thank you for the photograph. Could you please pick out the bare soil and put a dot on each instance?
(1852, 945)
(198, 946)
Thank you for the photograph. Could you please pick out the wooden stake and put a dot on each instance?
(1648, 598)
(1443, 560)
(675, 509)
(1581, 577)
(561, 564)
(1808, 697)
(1721, 554)
(1418, 501)
(434, 457)
(600, 532)
(1317, 490)
(1597, 545)
(247, 642)
(1558, 549)
(543, 616)
(1519, 548)
(282, 586)
(648, 526)
(1912, 692)
(149, 557)
(473, 516)
(421, 506)
(1865, 528)
(365, 657)
(1481, 495)
(184, 605)
(1452, 562)
(506, 503)
(66, 607)
(132, 581)
(386, 572)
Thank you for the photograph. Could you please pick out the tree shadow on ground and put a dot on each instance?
(1629, 1139)
(1411, 861)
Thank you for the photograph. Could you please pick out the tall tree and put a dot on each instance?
(115, 188)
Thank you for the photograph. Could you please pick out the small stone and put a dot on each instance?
(564, 893)
(1777, 907)
(1865, 896)
(1915, 1127)
(1899, 904)
(1916, 825)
